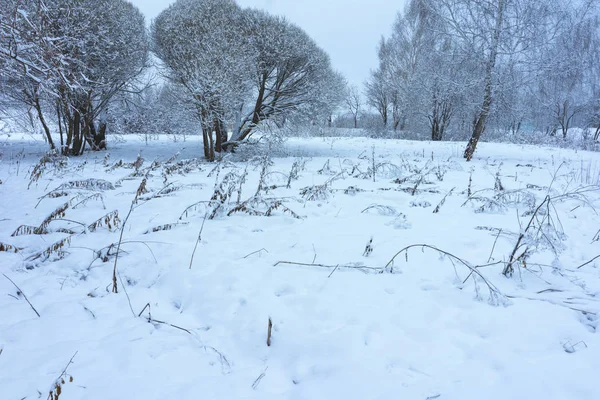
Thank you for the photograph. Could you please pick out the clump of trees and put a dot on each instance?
(77, 68)
(67, 60)
(241, 67)
(471, 65)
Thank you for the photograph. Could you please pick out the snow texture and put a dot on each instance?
(351, 326)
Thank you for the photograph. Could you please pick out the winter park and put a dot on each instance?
(263, 199)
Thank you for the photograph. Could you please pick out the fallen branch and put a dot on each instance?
(257, 381)
(347, 266)
(255, 252)
(150, 319)
(589, 262)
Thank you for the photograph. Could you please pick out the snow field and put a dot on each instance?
(349, 326)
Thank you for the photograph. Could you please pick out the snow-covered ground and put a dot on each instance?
(347, 322)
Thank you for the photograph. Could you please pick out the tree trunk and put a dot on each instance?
(436, 135)
(205, 142)
(221, 134)
(258, 114)
(442, 112)
(481, 118)
(100, 137)
(77, 144)
(60, 127)
(40, 113)
(211, 148)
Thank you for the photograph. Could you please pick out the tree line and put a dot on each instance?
(78, 67)
(472, 65)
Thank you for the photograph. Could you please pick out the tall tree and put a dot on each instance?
(241, 67)
(204, 49)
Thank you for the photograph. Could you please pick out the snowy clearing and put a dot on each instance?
(289, 239)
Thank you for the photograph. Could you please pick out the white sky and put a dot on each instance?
(348, 30)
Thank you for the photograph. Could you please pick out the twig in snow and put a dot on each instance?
(257, 381)
(335, 269)
(90, 311)
(224, 361)
(57, 387)
(494, 246)
(495, 293)
(362, 268)
(150, 319)
(368, 248)
(144, 309)
(509, 268)
(571, 348)
(269, 332)
(441, 203)
(141, 190)
(198, 240)
(24, 295)
(255, 252)
(589, 262)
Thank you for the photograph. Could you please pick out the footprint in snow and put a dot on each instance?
(284, 291)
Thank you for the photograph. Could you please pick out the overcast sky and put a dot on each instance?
(348, 30)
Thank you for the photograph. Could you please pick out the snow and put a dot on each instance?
(416, 329)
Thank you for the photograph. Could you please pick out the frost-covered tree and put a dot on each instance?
(241, 67)
(467, 66)
(354, 103)
(68, 59)
(398, 65)
(292, 76)
(204, 48)
(426, 74)
(377, 95)
(157, 109)
(566, 66)
(502, 38)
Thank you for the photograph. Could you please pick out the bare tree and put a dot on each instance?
(354, 103)
(377, 95)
